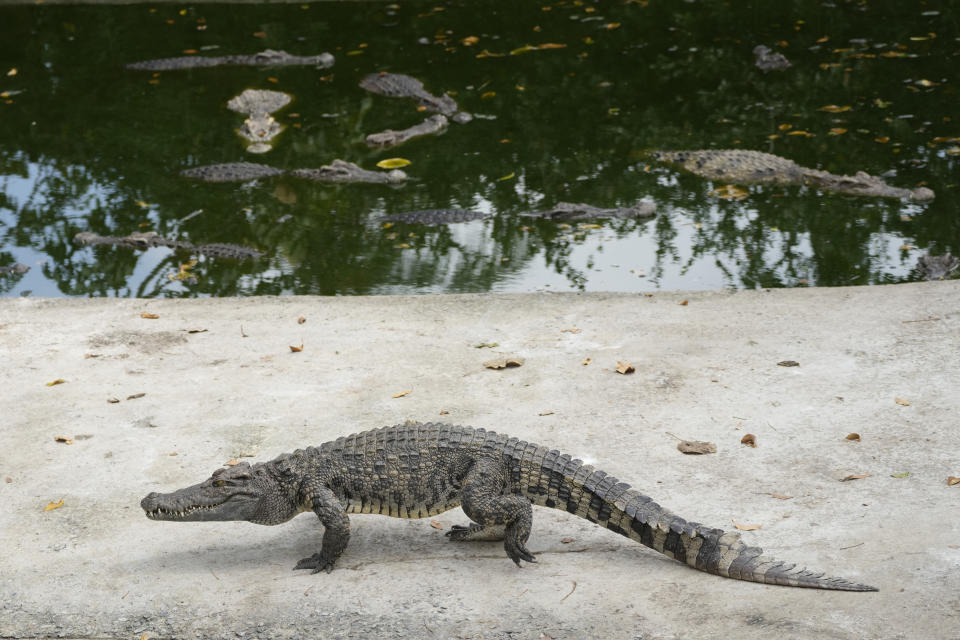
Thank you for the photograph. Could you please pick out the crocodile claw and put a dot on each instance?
(316, 563)
(518, 552)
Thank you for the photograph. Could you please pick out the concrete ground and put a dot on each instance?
(706, 369)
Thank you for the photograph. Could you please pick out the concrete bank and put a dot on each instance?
(706, 369)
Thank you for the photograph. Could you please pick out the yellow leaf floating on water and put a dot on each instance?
(488, 95)
(832, 108)
(506, 177)
(729, 192)
(393, 163)
(798, 132)
(143, 205)
(53, 505)
(837, 131)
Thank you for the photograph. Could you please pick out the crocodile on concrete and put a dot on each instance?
(741, 166)
(389, 138)
(418, 470)
(937, 267)
(260, 127)
(149, 239)
(398, 85)
(265, 58)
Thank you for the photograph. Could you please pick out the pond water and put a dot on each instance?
(89, 145)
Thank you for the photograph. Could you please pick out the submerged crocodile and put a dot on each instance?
(398, 85)
(14, 269)
(937, 267)
(769, 60)
(561, 211)
(260, 127)
(265, 58)
(742, 166)
(149, 239)
(337, 171)
(390, 138)
(419, 470)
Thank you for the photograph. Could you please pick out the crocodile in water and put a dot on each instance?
(937, 267)
(337, 171)
(433, 217)
(398, 85)
(561, 211)
(148, 239)
(769, 60)
(419, 470)
(14, 269)
(742, 166)
(266, 58)
(260, 127)
(390, 138)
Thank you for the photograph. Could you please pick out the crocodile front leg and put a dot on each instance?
(484, 503)
(336, 526)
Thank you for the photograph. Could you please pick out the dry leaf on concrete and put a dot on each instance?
(149, 316)
(902, 402)
(625, 367)
(53, 383)
(53, 505)
(296, 349)
(567, 540)
(788, 363)
(63, 439)
(780, 496)
(436, 524)
(750, 440)
(400, 394)
(696, 447)
(856, 476)
(853, 437)
(503, 363)
(301, 320)
(745, 527)
(232, 462)
(952, 480)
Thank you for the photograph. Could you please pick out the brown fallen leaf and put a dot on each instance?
(195, 330)
(696, 447)
(856, 476)
(113, 400)
(503, 363)
(570, 330)
(301, 320)
(624, 367)
(134, 396)
(53, 383)
(545, 413)
(952, 480)
(469, 41)
(683, 303)
(401, 393)
(750, 440)
(53, 505)
(296, 349)
(586, 361)
(788, 363)
(63, 439)
(91, 355)
(567, 540)
(436, 524)
(780, 496)
(746, 527)
(853, 437)
(149, 316)
(444, 412)
(232, 462)
(902, 402)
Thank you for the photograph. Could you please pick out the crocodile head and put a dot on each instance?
(241, 492)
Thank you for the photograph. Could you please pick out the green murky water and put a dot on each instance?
(86, 145)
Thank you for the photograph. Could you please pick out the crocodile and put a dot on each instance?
(260, 126)
(14, 269)
(150, 239)
(416, 470)
(337, 171)
(937, 267)
(390, 138)
(265, 58)
(769, 60)
(398, 85)
(743, 166)
(561, 211)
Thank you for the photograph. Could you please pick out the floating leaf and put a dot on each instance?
(53, 383)
(729, 192)
(853, 437)
(624, 367)
(905, 474)
(143, 205)
(506, 177)
(832, 108)
(149, 316)
(487, 95)
(750, 440)
(589, 225)
(856, 476)
(696, 447)
(788, 363)
(612, 25)
(184, 273)
(746, 527)
(503, 363)
(798, 132)
(402, 245)
(882, 139)
(259, 34)
(902, 402)
(400, 394)
(469, 41)
(524, 49)
(63, 439)
(296, 349)
(488, 54)
(940, 139)
(12, 72)
(837, 131)
(53, 505)
(393, 163)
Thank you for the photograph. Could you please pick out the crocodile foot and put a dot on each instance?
(316, 563)
(517, 551)
(475, 532)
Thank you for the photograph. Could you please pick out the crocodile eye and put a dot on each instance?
(219, 483)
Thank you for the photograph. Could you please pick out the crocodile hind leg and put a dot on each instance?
(336, 528)
(484, 502)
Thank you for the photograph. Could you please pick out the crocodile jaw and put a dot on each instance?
(201, 503)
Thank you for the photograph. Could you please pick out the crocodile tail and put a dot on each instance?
(572, 486)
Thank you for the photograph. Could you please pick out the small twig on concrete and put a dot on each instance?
(214, 575)
(308, 589)
(571, 591)
(125, 595)
(242, 334)
(670, 434)
(426, 627)
(851, 546)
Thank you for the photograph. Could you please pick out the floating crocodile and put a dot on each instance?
(14, 269)
(390, 138)
(265, 58)
(149, 239)
(419, 470)
(742, 166)
(260, 127)
(769, 60)
(561, 211)
(937, 267)
(398, 85)
(337, 171)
